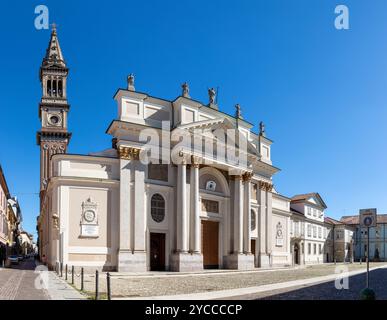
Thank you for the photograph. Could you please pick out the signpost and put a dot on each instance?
(368, 220)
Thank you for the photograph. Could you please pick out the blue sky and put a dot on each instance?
(321, 92)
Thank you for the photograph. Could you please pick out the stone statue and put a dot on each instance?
(212, 95)
(261, 129)
(185, 87)
(131, 82)
(238, 112)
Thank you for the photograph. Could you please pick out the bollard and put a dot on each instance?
(96, 285)
(66, 271)
(72, 275)
(109, 297)
(61, 270)
(82, 279)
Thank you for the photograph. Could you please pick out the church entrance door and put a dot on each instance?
(210, 244)
(157, 251)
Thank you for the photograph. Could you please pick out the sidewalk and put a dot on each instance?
(225, 294)
(59, 289)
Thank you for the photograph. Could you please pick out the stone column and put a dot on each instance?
(139, 214)
(238, 215)
(269, 226)
(247, 215)
(183, 260)
(131, 254)
(182, 220)
(263, 258)
(265, 227)
(195, 201)
(125, 194)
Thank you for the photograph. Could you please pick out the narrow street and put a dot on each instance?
(18, 282)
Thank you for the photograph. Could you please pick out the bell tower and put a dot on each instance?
(53, 136)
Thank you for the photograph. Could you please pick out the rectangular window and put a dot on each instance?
(314, 249)
(302, 248)
(314, 212)
(309, 230)
(319, 232)
(158, 172)
(319, 249)
(297, 229)
(309, 248)
(309, 211)
(210, 206)
(314, 232)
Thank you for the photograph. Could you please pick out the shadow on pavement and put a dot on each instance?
(327, 291)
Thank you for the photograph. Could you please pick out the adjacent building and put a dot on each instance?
(377, 238)
(26, 243)
(10, 219)
(4, 228)
(308, 231)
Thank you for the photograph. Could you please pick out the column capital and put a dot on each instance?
(128, 153)
(265, 186)
(195, 161)
(247, 176)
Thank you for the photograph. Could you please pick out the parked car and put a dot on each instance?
(13, 259)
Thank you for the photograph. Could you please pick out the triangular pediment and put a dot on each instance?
(217, 124)
(312, 198)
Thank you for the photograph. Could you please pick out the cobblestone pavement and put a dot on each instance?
(327, 290)
(18, 283)
(174, 284)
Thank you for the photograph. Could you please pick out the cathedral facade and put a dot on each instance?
(184, 187)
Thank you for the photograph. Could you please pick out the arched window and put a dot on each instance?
(49, 88)
(253, 220)
(157, 208)
(60, 88)
(54, 88)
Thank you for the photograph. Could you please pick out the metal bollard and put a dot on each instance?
(109, 296)
(96, 285)
(72, 275)
(66, 271)
(61, 270)
(82, 279)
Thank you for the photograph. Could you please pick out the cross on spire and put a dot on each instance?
(53, 26)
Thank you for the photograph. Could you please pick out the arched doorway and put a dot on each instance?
(214, 204)
(296, 254)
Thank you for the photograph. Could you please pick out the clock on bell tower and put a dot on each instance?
(53, 137)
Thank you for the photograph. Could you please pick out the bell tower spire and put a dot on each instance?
(53, 136)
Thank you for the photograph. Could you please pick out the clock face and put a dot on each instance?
(89, 216)
(54, 119)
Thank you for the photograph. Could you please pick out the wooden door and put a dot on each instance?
(210, 244)
(157, 251)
